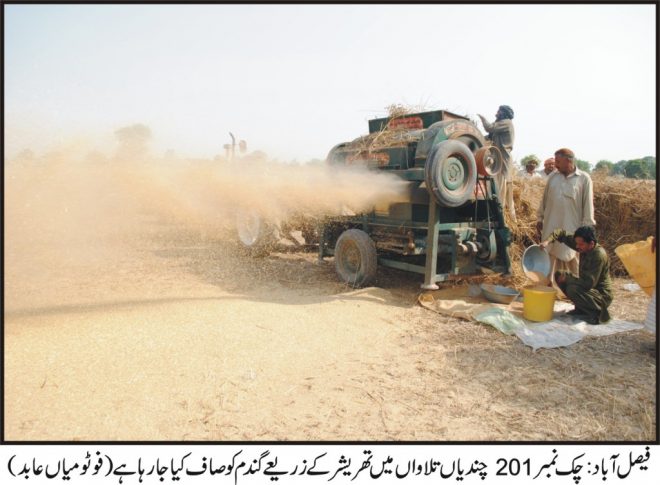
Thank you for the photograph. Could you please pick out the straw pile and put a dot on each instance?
(385, 138)
(625, 212)
(389, 136)
(396, 110)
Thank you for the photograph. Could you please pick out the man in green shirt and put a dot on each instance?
(591, 291)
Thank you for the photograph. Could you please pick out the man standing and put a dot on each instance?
(502, 134)
(530, 169)
(591, 291)
(548, 168)
(567, 203)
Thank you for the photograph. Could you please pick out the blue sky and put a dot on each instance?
(296, 80)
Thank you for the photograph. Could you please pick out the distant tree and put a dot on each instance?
(95, 157)
(604, 166)
(583, 165)
(619, 168)
(170, 156)
(133, 140)
(26, 155)
(652, 166)
(259, 156)
(137, 133)
(637, 169)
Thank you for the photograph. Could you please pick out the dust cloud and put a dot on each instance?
(77, 211)
(204, 191)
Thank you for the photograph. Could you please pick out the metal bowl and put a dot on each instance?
(536, 264)
(499, 294)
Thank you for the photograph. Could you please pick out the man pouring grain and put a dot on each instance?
(567, 203)
(502, 134)
(591, 291)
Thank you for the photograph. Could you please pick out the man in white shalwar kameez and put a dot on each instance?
(568, 203)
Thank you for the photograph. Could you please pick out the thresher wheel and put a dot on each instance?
(255, 234)
(355, 258)
(450, 173)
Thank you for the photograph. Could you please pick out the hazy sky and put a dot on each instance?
(296, 80)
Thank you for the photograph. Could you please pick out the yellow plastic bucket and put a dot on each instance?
(538, 303)
(639, 262)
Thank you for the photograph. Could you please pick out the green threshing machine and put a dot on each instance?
(450, 221)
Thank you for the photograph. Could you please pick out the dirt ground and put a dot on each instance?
(176, 335)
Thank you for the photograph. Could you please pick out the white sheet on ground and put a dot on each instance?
(564, 330)
(561, 331)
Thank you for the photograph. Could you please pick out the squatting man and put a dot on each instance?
(591, 291)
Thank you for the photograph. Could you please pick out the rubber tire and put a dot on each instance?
(258, 240)
(356, 244)
(437, 162)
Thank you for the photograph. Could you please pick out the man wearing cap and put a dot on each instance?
(502, 134)
(567, 203)
(591, 290)
(530, 169)
(548, 168)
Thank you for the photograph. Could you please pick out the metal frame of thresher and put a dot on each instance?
(434, 229)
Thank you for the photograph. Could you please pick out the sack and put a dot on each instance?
(502, 320)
